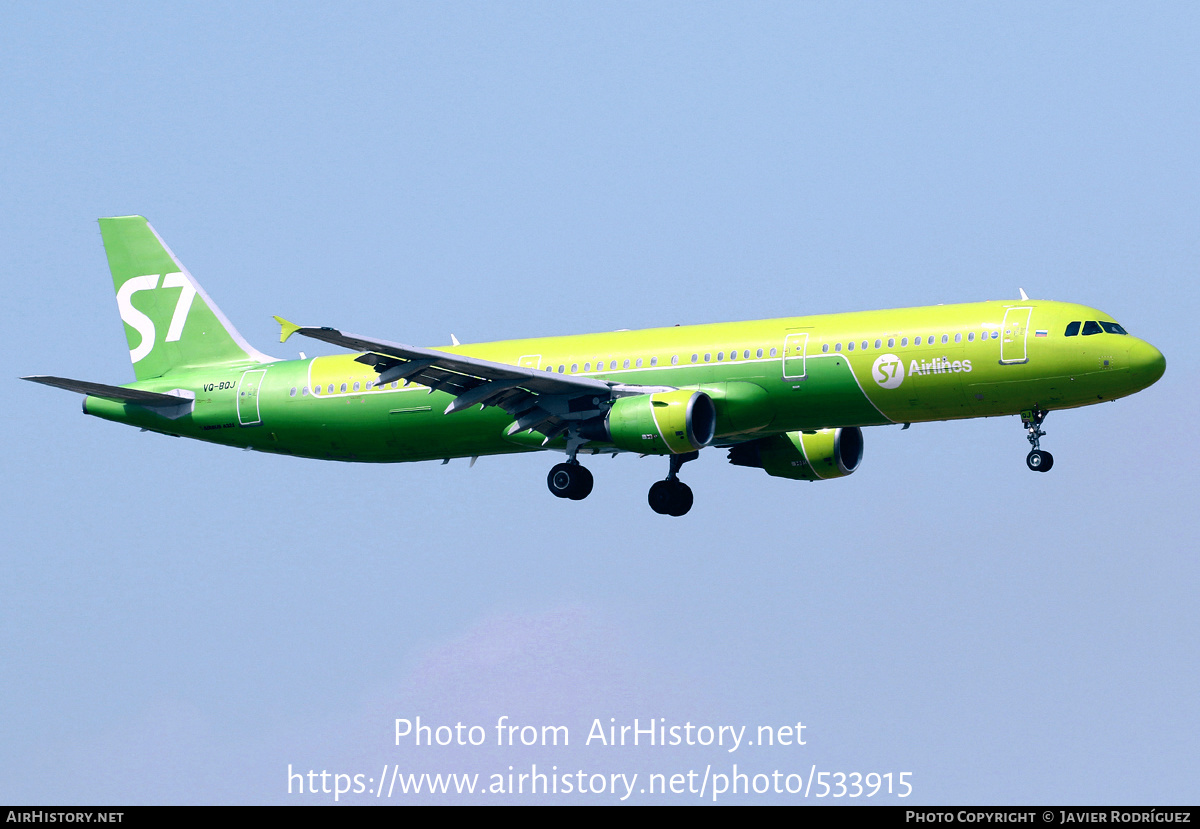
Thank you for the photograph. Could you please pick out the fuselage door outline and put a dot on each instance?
(247, 397)
(1015, 332)
(795, 350)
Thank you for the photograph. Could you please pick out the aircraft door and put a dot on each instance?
(247, 397)
(533, 361)
(1016, 329)
(795, 347)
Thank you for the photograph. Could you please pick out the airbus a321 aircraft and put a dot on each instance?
(788, 396)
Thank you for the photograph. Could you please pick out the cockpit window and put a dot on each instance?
(1072, 328)
(1112, 328)
(1091, 327)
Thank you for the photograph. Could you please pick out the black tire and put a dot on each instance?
(1038, 461)
(561, 479)
(581, 485)
(1047, 462)
(660, 497)
(681, 499)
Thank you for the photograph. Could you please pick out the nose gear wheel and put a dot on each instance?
(1037, 460)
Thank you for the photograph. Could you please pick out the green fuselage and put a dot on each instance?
(765, 377)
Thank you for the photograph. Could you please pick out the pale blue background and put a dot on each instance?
(179, 621)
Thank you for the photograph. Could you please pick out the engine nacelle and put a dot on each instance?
(663, 423)
(804, 456)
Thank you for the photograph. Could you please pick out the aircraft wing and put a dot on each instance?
(540, 400)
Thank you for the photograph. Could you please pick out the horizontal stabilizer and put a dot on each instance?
(142, 398)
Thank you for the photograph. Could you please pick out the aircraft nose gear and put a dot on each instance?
(1037, 460)
(570, 480)
(673, 496)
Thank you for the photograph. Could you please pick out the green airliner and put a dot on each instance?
(789, 396)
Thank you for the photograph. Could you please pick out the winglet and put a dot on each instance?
(286, 329)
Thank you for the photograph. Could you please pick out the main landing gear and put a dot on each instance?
(570, 480)
(1037, 460)
(670, 497)
(673, 496)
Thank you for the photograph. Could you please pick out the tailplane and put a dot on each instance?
(170, 321)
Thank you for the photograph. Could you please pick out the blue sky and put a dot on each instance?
(181, 622)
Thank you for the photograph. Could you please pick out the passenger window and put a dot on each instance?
(864, 345)
(639, 362)
(396, 383)
(562, 369)
(1072, 329)
(316, 390)
(587, 366)
(343, 388)
(850, 346)
(891, 342)
(720, 356)
(653, 361)
(304, 392)
(625, 364)
(356, 385)
(773, 352)
(675, 360)
(293, 392)
(837, 347)
(958, 338)
(970, 336)
(916, 340)
(904, 342)
(707, 357)
(331, 388)
(1091, 327)
(695, 357)
(760, 352)
(733, 355)
(945, 339)
(879, 343)
(825, 348)
(574, 367)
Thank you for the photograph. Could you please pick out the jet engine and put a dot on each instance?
(803, 456)
(662, 423)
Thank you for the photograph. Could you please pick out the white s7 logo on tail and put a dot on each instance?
(141, 323)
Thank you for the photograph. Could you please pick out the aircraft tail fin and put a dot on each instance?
(170, 322)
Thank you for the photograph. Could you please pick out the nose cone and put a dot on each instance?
(1146, 363)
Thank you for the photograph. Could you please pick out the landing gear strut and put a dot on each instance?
(1037, 460)
(673, 496)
